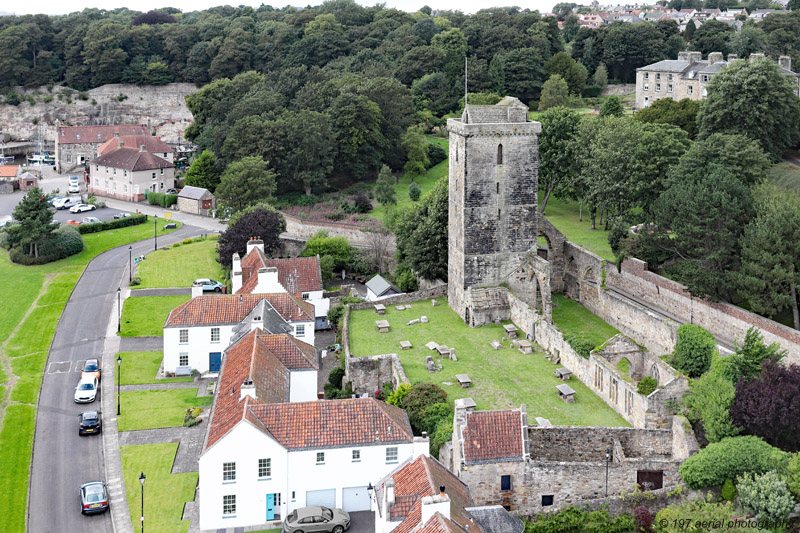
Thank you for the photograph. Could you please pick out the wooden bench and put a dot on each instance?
(380, 309)
(562, 373)
(566, 393)
(183, 371)
(464, 381)
(405, 345)
(382, 325)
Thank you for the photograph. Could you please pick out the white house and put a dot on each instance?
(198, 331)
(263, 460)
(300, 276)
(151, 144)
(127, 173)
(379, 288)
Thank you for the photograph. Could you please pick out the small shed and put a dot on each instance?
(195, 200)
(8, 178)
(28, 181)
(379, 287)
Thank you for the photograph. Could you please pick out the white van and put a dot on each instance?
(66, 203)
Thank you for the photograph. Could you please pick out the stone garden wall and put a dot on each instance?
(353, 234)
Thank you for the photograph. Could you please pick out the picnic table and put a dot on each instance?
(524, 345)
(383, 326)
(511, 330)
(431, 345)
(464, 381)
(562, 373)
(380, 309)
(566, 393)
(405, 345)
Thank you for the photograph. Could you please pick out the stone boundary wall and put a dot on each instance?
(356, 237)
(439, 291)
(619, 89)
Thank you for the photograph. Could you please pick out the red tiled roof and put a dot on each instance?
(439, 524)
(423, 477)
(223, 309)
(8, 171)
(294, 354)
(131, 159)
(297, 275)
(333, 423)
(96, 134)
(493, 436)
(152, 144)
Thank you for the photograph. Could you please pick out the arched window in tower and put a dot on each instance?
(499, 154)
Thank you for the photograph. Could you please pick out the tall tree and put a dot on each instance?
(203, 172)
(259, 220)
(712, 36)
(246, 182)
(755, 99)
(741, 156)
(417, 149)
(555, 92)
(384, 187)
(570, 70)
(612, 107)
(556, 149)
(34, 222)
(421, 233)
(600, 76)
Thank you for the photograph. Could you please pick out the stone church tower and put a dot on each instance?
(494, 163)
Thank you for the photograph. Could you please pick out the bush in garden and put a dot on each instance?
(647, 385)
(644, 520)
(414, 192)
(694, 350)
(682, 518)
(765, 495)
(579, 343)
(419, 397)
(396, 398)
(793, 475)
(434, 415)
(336, 376)
(362, 203)
(728, 490)
(729, 458)
(69, 240)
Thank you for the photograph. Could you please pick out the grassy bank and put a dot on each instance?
(179, 266)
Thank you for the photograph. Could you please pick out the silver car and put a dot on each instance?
(86, 391)
(316, 518)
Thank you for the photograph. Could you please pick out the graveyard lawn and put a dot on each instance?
(501, 379)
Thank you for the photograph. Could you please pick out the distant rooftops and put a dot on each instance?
(97, 134)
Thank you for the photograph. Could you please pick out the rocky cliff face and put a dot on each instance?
(163, 108)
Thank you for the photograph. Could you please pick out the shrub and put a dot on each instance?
(575, 520)
(414, 192)
(442, 434)
(335, 314)
(793, 475)
(592, 91)
(579, 343)
(336, 376)
(21, 258)
(336, 247)
(728, 490)
(710, 400)
(418, 399)
(434, 415)
(729, 458)
(682, 518)
(326, 264)
(135, 280)
(647, 385)
(694, 350)
(396, 397)
(69, 240)
(765, 496)
(436, 154)
(162, 199)
(644, 519)
(362, 203)
(123, 222)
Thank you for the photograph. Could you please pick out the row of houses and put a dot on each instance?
(638, 14)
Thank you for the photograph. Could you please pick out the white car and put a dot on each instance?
(80, 208)
(74, 188)
(86, 391)
(73, 179)
(64, 203)
(90, 220)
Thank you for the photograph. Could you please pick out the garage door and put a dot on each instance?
(355, 499)
(325, 497)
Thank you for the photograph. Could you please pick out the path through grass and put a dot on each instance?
(145, 316)
(180, 265)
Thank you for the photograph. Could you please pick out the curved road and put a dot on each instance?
(62, 460)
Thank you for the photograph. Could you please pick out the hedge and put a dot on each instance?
(164, 200)
(694, 350)
(65, 241)
(729, 458)
(123, 222)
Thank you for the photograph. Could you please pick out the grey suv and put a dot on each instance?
(316, 518)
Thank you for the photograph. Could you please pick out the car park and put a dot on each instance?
(74, 188)
(80, 208)
(91, 369)
(90, 423)
(94, 497)
(316, 518)
(90, 220)
(209, 285)
(66, 203)
(86, 390)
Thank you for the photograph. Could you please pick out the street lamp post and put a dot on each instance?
(119, 310)
(130, 264)
(119, 369)
(141, 480)
(608, 460)
(155, 231)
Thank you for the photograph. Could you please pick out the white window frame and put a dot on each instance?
(669, 88)
(213, 332)
(658, 87)
(320, 458)
(356, 456)
(391, 455)
(229, 505)
(689, 90)
(646, 87)
(265, 468)
(300, 330)
(183, 359)
(305, 296)
(183, 336)
(229, 471)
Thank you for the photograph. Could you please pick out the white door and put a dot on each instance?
(325, 497)
(355, 499)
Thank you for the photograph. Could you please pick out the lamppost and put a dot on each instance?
(608, 460)
(119, 369)
(141, 480)
(130, 264)
(119, 310)
(155, 231)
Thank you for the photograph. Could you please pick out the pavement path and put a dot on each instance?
(141, 344)
(61, 459)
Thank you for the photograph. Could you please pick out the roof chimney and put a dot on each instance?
(439, 503)
(142, 148)
(714, 57)
(236, 272)
(683, 56)
(756, 56)
(248, 389)
(695, 56)
(732, 57)
(268, 280)
(254, 242)
(120, 144)
(116, 135)
(197, 290)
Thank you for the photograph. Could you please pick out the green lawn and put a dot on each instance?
(138, 368)
(565, 215)
(571, 317)
(501, 379)
(180, 266)
(426, 183)
(32, 299)
(165, 493)
(157, 408)
(145, 316)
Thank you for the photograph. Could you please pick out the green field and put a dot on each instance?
(32, 299)
(179, 266)
(139, 368)
(565, 215)
(164, 493)
(502, 379)
(149, 409)
(572, 318)
(144, 316)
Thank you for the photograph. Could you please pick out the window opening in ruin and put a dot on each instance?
(547, 500)
(499, 154)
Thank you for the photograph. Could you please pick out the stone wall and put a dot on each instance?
(440, 291)
(619, 89)
(354, 235)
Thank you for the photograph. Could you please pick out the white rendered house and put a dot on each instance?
(197, 332)
(261, 460)
(301, 276)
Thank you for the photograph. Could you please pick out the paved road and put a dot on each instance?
(61, 459)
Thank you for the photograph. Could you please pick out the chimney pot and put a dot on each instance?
(141, 148)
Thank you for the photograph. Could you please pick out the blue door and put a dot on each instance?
(270, 507)
(214, 361)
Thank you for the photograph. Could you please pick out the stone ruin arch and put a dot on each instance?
(531, 282)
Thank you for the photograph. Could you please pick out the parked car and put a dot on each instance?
(68, 202)
(74, 179)
(91, 369)
(86, 391)
(172, 191)
(90, 220)
(6, 220)
(74, 188)
(316, 518)
(121, 215)
(209, 285)
(94, 497)
(80, 208)
(90, 422)
(73, 223)
(54, 199)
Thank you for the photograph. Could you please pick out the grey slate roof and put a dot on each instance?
(668, 65)
(495, 519)
(193, 193)
(379, 285)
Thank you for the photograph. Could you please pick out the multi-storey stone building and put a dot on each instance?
(494, 162)
(688, 76)
(77, 145)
